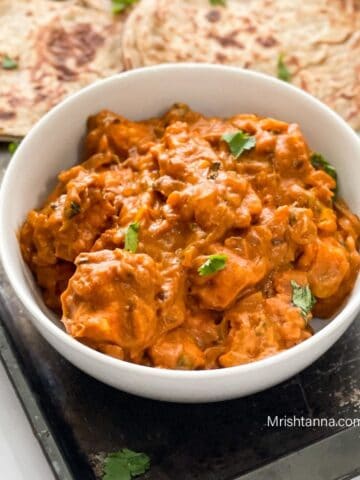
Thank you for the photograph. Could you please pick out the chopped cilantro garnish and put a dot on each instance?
(282, 70)
(131, 237)
(302, 298)
(222, 3)
(8, 63)
(239, 142)
(213, 264)
(12, 147)
(118, 6)
(125, 465)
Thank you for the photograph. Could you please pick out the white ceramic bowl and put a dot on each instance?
(53, 145)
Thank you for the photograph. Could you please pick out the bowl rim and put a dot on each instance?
(40, 319)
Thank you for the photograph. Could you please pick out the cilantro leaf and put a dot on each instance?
(213, 170)
(73, 210)
(218, 2)
(119, 6)
(125, 464)
(131, 237)
(115, 470)
(138, 463)
(239, 142)
(282, 70)
(302, 298)
(319, 162)
(213, 264)
(8, 63)
(12, 147)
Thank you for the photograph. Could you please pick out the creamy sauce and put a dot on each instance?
(270, 212)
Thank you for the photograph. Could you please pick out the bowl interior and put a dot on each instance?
(54, 144)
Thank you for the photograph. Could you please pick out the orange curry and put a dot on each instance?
(188, 242)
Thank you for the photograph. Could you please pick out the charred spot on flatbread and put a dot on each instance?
(68, 50)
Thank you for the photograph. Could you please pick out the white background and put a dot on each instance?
(21, 457)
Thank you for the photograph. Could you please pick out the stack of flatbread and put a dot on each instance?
(61, 46)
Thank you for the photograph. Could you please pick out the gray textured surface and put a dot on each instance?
(330, 459)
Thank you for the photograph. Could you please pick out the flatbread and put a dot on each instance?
(319, 40)
(60, 46)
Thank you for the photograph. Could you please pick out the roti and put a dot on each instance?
(319, 41)
(59, 47)
(62, 46)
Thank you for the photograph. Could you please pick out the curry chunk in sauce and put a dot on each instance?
(188, 242)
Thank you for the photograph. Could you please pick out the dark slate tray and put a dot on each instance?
(78, 420)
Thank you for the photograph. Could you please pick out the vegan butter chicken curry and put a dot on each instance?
(188, 242)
